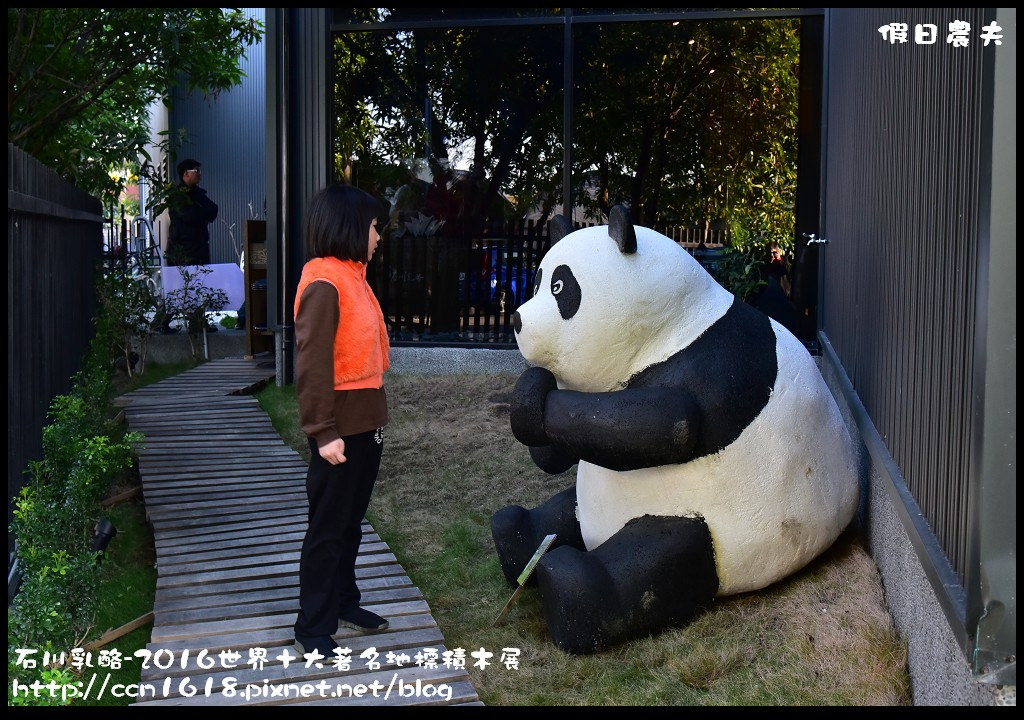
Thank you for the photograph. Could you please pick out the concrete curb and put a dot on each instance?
(172, 349)
(454, 361)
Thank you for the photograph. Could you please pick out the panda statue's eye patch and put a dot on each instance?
(566, 290)
(537, 280)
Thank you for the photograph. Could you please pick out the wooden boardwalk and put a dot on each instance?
(226, 499)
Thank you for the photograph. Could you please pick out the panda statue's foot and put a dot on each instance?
(579, 600)
(654, 573)
(513, 535)
(518, 532)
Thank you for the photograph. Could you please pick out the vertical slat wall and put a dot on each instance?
(54, 244)
(901, 216)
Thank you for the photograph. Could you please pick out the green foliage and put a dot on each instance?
(695, 122)
(190, 302)
(57, 508)
(53, 520)
(739, 272)
(61, 681)
(434, 93)
(126, 589)
(81, 80)
(130, 302)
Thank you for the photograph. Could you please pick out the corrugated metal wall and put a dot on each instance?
(228, 135)
(901, 213)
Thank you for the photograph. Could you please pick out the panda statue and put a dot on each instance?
(712, 458)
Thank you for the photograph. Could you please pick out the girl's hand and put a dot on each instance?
(334, 451)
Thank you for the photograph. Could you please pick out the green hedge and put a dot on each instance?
(54, 517)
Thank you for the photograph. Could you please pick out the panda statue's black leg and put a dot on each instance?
(518, 532)
(654, 573)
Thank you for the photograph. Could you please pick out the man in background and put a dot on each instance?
(191, 211)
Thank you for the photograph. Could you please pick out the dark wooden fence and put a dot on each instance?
(458, 291)
(54, 247)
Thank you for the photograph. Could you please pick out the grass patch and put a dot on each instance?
(126, 592)
(821, 637)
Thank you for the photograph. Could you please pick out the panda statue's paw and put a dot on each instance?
(527, 406)
(579, 600)
(553, 459)
(513, 533)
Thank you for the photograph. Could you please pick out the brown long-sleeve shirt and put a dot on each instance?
(326, 414)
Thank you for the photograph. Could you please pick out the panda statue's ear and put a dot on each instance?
(620, 229)
(558, 228)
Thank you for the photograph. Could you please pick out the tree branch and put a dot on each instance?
(74, 104)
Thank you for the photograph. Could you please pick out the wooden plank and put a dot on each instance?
(263, 593)
(233, 518)
(225, 591)
(241, 450)
(223, 505)
(242, 624)
(277, 636)
(229, 538)
(267, 523)
(174, 516)
(274, 466)
(282, 467)
(250, 440)
(186, 456)
(226, 490)
(255, 543)
(181, 402)
(215, 576)
(223, 486)
(232, 557)
(420, 633)
(268, 605)
(287, 576)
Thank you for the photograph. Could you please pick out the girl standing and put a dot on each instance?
(341, 356)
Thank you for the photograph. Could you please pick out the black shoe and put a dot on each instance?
(358, 618)
(323, 644)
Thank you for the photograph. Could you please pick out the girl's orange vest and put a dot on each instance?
(361, 346)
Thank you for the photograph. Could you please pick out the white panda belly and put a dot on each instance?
(774, 499)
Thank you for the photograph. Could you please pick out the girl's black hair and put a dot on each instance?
(338, 222)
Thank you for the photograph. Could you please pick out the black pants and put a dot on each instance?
(338, 497)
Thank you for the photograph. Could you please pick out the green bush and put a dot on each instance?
(132, 307)
(740, 272)
(190, 302)
(55, 513)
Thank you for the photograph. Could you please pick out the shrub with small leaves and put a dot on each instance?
(56, 510)
(190, 302)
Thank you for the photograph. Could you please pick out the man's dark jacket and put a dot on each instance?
(191, 211)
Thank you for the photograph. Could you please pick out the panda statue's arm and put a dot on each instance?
(623, 430)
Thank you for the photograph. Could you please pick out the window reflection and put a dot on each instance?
(460, 131)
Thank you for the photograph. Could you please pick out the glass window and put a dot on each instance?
(460, 133)
(691, 124)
